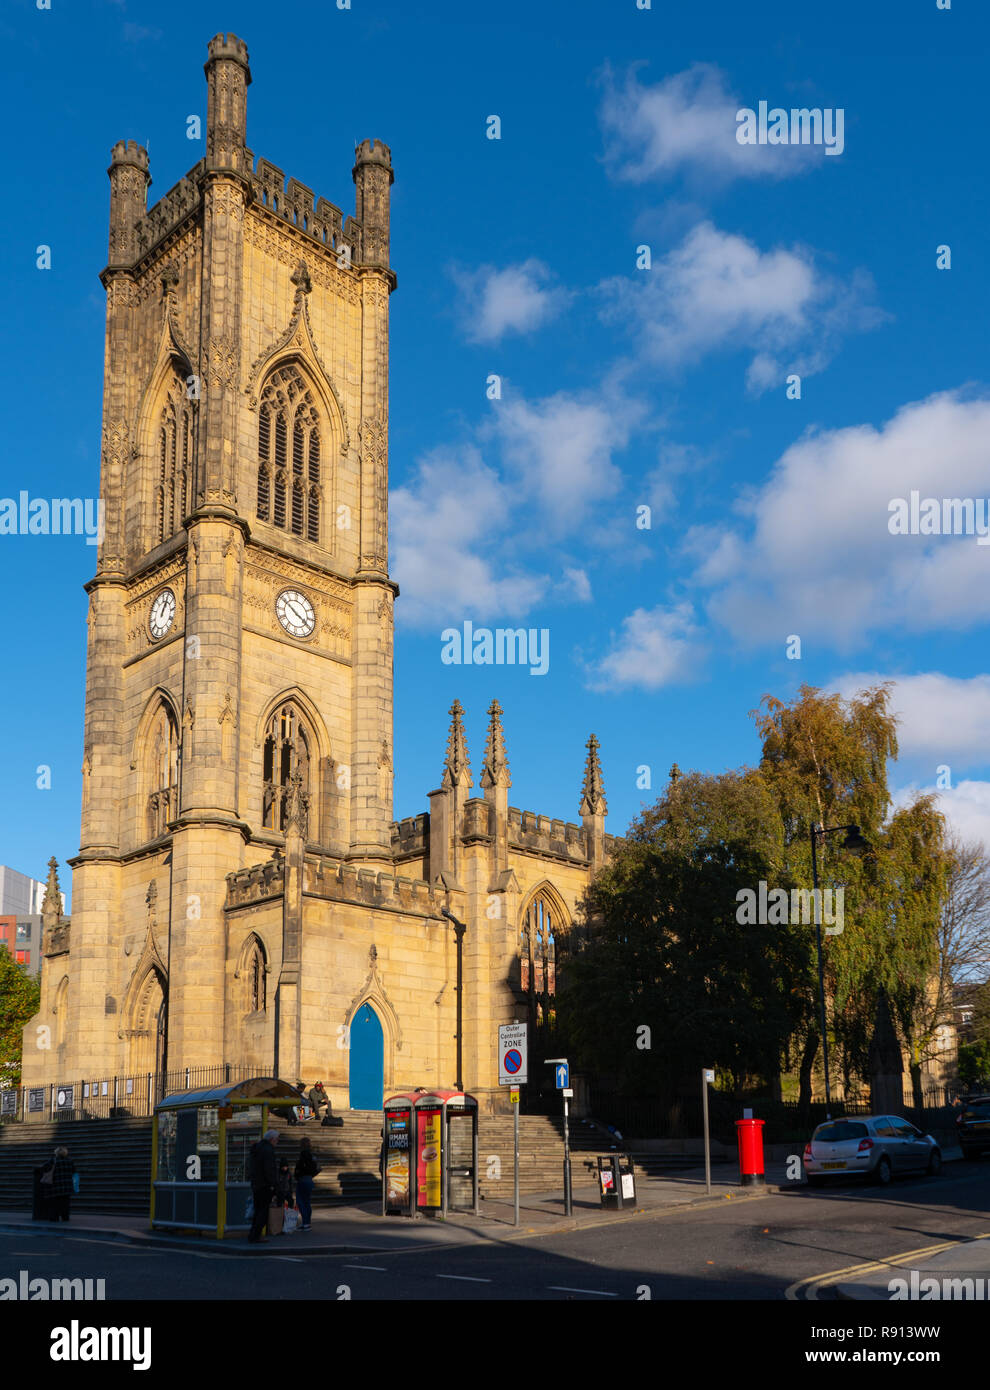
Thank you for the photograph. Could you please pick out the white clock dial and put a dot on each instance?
(162, 614)
(295, 612)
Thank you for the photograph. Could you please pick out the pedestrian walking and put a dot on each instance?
(306, 1170)
(264, 1181)
(58, 1182)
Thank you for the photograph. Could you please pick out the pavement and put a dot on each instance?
(361, 1228)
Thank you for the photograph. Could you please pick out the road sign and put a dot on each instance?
(514, 1095)
(709, 1074)
(568, 1093)
(562, 1074)
(512, 1054)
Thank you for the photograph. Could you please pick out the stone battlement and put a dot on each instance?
(347, 883)
(129, 152)
(344, 883)
(298, 205)
(411, 835)
(527, 830)
(227, 46)
(171, 209)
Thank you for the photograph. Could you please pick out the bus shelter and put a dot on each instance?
(200, 1153)
(429, 1153)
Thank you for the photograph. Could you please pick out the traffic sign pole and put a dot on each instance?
(515, 1164)
(706, 1076)
(567, 1162)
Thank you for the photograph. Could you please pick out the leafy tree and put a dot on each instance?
(20, 999)
(825, 762)
(665, 947)
(974, 1064)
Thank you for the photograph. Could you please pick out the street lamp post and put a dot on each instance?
(855, 843)
(459, 929)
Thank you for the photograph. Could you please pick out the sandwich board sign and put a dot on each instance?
(512, 1054)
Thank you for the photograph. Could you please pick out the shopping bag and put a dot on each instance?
(75, 1182)
(249, 1209)
(276, 1215)
(290, 1222)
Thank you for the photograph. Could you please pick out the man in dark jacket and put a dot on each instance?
(60, 1188)
(264, 1181)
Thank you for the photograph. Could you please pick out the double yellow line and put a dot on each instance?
(806, 1289)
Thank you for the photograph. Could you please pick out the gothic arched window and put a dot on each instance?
(289, 455)
(163, 770)
(286, 752)
(255, 971)
(175, 459)
(538, 931)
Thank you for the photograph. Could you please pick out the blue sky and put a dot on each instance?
(620, 387)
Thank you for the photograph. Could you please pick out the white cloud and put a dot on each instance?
(577, 584)
(517, 299)
(460, 520)
(943, 719)
(441, 523)
(558, 453)
(656, 647)
(687, 122)
(718, 291)
(819, 559)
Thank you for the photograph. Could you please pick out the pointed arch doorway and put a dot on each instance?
(367, 1060)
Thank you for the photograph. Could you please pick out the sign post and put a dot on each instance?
(707, 1075)
(562, 1076)
(513, 1068)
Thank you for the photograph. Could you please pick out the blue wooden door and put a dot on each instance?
(367, 1060)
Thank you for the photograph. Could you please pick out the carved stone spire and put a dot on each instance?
(593, 791)
(495, 772)
(675, 773)
(456, 768)
(296, 806)
(51, 907)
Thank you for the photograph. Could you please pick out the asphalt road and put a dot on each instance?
(761, 1248)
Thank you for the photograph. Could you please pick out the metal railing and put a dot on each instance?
(110, 1097)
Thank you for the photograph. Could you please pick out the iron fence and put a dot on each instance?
(110, 1097)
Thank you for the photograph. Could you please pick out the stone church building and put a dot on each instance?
(242, 893)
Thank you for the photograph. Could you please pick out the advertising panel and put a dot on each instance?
(398, 1152)
(428, 1193)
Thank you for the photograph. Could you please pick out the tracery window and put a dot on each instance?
(256, 975)
(289, 492)
(163, 746)
(175, 460)
(286, 751)
(538, 957)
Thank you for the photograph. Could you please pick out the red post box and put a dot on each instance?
(750, 1134)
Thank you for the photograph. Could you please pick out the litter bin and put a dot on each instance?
(616, 1181)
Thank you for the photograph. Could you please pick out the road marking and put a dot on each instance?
(464, 1278)
(811, 1285)
(380, 1268)
(286, 1259)
(601, 1293)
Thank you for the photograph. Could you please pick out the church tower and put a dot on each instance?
(239, 677)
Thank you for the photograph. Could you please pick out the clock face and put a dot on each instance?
(162, 614)
(295, 612)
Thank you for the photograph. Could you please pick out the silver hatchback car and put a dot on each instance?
(877, 1146)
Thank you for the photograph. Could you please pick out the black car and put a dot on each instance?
(973, 1126)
